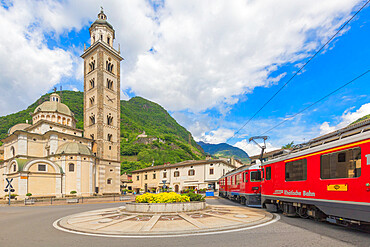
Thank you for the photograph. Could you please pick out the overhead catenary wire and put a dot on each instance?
(321, 99)
(296, 73)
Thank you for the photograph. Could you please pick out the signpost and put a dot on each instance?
(9, 188)
(164, 184)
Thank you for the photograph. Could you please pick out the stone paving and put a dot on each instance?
(117, 221)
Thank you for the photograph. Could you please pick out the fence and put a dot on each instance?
(70, 200)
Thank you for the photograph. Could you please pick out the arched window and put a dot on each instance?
(12, 151)
(92, 101)
(92, 119)
(92, 66)
(93, 38)
(176, 174)
(109, 84)
(109, 66)
(71, 167)
(108, 40)
(14, 168)
(110, 137)
(109, 120)
(92, 83)
(109, 181)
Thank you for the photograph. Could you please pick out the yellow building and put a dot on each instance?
(191, 174)
(50, 157)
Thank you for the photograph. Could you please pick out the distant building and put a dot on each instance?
(126, 181)
(191, 174)
(142, 135)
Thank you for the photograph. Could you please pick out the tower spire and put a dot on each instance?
(101, 15)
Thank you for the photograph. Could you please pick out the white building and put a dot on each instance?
(191, 174)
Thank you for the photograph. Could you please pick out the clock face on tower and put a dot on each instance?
(110, 100)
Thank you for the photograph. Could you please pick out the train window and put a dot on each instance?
(296, 170)
(343, 164)
(268, 173)
(245, 177)
(238, 178)
(256, 176)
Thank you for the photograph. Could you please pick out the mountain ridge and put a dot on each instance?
(225, 150)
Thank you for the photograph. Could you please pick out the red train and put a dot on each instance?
(326, 179)
(243, 185)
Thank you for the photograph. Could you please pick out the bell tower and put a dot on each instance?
(102, 103)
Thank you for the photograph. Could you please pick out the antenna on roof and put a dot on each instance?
(263, 147)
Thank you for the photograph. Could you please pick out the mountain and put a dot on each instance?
(361, 119)
(164, 140)
(225, 150)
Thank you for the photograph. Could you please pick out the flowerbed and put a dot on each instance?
(170, 197)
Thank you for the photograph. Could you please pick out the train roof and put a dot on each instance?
(240, 169)
(352, 133)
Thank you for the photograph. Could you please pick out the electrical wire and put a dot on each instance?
(321, 99)
(301, 68)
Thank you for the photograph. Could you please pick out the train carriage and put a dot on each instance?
(327, 179)
(242, 185)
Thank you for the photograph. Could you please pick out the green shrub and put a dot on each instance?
(29, 194)
(73, 192)
(195, 197)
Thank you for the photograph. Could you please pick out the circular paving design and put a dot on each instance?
(115, 222)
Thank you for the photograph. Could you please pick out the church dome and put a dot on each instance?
(20, 126)
(54, 106)
(73, 148)
(102, 22)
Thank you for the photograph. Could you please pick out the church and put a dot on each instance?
(51, 157)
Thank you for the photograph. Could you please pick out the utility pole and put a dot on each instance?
(263, 147)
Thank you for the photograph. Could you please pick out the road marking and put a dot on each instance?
(114, 222)
(228, 217)
(192, 221)
(56, 226)
(150, 224)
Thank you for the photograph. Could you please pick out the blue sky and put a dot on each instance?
(212, 64)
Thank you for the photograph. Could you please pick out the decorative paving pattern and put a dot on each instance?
(117, 221)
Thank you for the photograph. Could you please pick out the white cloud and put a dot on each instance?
(124, 96)
(211, 52)
(326, 128)
(252, 149)
(28, 67)
(347, 118)
(216, 136)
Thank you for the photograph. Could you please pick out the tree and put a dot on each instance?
(288, 146)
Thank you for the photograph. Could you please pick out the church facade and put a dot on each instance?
(51, 157)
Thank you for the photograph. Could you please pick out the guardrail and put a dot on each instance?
(70, 200)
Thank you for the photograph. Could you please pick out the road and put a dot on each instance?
(32, 226)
